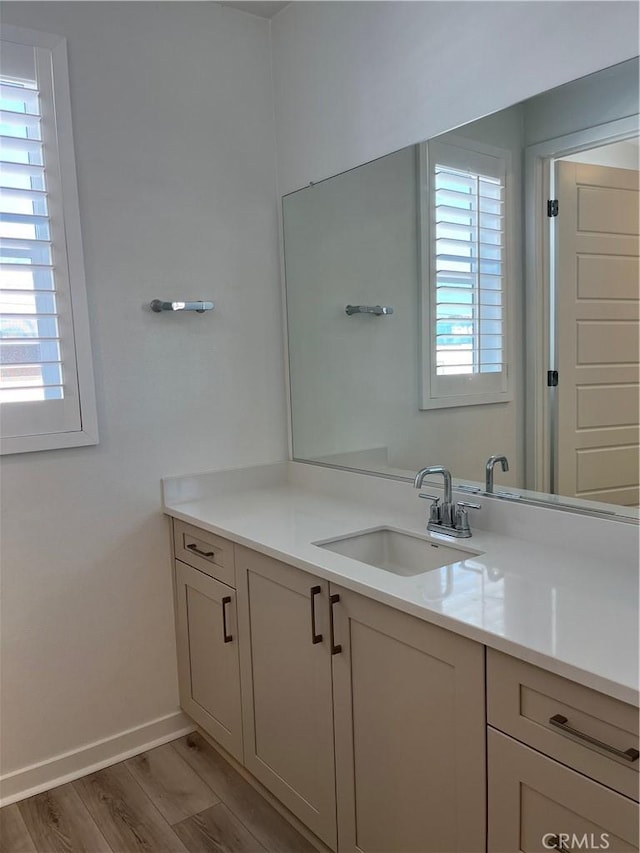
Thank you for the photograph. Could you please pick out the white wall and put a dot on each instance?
(173, 119)
(356, 80)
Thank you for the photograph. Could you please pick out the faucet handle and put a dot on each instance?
(435, 516)
(462, 517)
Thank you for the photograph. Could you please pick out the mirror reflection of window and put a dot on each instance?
(463, 214)
(469, 238)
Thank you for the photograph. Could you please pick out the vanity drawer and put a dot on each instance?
(536, 804)
(525, 702)
(204, 551)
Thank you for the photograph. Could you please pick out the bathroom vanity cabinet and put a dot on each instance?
(404, 698)
(207, 634)
(369, 724)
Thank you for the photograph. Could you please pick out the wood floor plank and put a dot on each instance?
(259, 817)
(216, 830)
(14, 835)
(59, 823)
(125, 815)
(171, 784)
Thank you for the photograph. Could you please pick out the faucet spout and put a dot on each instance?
(436, 469)
(492, 461)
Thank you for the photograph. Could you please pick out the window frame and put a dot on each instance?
(74, 315)
(434, 392)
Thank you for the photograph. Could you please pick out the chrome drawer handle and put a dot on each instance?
(193, 547)
(560, 722)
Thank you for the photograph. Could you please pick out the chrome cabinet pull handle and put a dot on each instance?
(227, 637)
(315, 637)
(335, 649)
(193, 547)
(560, 722)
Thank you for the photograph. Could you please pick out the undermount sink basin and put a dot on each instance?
(401, 553)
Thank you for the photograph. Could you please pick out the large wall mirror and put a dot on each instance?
(477, 295)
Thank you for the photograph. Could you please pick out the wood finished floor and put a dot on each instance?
(182, 796)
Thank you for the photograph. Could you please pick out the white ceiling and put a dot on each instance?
(257, 7)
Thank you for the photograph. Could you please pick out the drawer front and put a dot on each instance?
(536, 804)
(204, 551)
(562, 719)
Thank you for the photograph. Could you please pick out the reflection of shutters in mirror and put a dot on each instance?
(465, 291)
(39, 353)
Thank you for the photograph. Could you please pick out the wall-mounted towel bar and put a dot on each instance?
(158, 305)
(378, 310)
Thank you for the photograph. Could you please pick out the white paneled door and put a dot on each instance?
(597, 333)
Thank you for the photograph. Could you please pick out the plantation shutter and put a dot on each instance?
(467, 335)
(39, 391)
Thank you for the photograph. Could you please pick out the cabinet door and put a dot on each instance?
(410, 732)
(286, 687)
(208, 663)
(538, 804)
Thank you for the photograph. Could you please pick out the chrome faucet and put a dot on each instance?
(446, 517)
(492, 461)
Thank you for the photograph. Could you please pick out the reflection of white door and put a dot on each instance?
(597, 333)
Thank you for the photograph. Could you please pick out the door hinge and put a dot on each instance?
(552, 378)
(552, 207)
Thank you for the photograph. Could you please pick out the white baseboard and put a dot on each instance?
(94, 756)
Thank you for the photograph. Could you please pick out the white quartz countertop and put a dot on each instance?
(547, 599)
